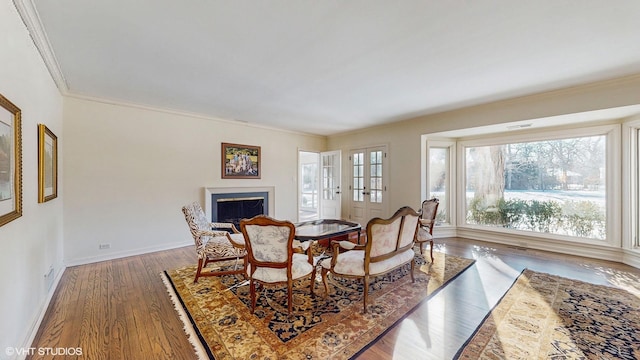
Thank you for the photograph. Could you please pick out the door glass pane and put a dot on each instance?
(376, 176)
(328, 180)
(551, 186)
(358, 176)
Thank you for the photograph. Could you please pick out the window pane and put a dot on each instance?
(554, 186)
(439, 180)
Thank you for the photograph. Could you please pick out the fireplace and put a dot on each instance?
(234, 204)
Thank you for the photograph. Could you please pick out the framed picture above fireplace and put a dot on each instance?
(240, 161)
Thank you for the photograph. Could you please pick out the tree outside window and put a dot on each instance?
(553, 186)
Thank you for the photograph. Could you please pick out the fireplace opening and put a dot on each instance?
(234, 210)
(233, 207)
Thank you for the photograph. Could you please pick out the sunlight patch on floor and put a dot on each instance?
(408, 329)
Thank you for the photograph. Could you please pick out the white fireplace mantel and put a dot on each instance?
(208, 191)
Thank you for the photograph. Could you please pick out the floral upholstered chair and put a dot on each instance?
(272, 257)
(212, 244)
(389, 245)
(427, 221)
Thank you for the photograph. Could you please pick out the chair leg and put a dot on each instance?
(324, 281)
(366, 291)
(313, 280)
(252, 291)
(420, 244)
(431, 249)
(289, 294)
(413, 266)
(200, 264)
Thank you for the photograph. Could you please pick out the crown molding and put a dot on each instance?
(121, 103)
(31, 19)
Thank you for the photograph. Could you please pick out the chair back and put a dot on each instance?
(196, 220)
(269, 241)
(428, 214)
(386, 237)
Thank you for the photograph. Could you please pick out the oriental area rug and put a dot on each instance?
(217, 314)
(545, 316)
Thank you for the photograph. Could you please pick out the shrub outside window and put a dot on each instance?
(552, 186)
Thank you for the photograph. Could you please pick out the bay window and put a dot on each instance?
(560, 183)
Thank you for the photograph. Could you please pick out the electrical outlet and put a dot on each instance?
(104, 246)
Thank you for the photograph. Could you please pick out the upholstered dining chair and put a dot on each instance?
(213, 244)
(428, 213)
(389, 245)
(272, 257)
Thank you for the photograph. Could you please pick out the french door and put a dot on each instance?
(368, 187)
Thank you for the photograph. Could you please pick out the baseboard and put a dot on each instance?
(33, 330)
(123, 254)
(540, 243)
(632, 258)
(444, 232)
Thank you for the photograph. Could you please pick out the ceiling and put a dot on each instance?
(330, 66)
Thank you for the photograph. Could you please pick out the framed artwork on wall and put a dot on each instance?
(47, 164)
(240, 161)
(10, 161)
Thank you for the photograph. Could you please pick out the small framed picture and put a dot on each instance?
(240, 161)
(10, 161)
(47, 164)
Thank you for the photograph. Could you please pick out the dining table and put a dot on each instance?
(325, 229)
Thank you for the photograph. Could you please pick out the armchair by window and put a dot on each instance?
(428, 214)
(213, 245)
(389, 245)
(272, 256)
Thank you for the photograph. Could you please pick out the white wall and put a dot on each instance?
(404, 137)
(32, 243)
(129, 170)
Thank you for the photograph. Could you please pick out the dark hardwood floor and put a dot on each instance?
(119, 309)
